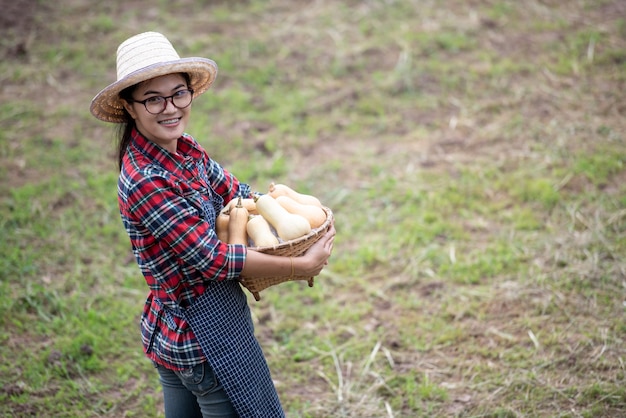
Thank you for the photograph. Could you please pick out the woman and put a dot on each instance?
(196, 325)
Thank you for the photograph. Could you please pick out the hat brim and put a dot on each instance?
(108, 106)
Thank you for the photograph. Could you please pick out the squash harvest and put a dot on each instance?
(314, 214)
(260, 232)
(266, 221)
(276, 190)
(247, 203)
(221, 226)
(238, 220)
(287, 225)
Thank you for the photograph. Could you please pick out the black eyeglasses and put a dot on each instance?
(157, 104)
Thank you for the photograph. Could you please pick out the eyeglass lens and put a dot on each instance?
(180, 99)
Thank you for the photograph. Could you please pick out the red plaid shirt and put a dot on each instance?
(168, 210)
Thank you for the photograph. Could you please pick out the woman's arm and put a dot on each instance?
(310, 264)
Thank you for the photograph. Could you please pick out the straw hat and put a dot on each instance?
(141, 58)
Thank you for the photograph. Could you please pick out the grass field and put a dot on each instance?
(473, 153)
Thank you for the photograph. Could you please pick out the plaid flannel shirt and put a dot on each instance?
(168, 210)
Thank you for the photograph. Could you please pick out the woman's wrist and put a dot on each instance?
(295, 267)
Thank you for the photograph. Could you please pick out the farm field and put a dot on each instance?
(473, 153)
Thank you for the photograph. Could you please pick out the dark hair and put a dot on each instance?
(126, 128)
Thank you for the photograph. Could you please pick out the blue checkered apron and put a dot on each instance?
(221, 320)
(222, 323)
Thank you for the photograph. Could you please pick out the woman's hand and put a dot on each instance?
(315, 258)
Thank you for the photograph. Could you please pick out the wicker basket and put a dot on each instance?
(293, 248)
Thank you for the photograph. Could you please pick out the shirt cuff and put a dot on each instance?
(236, 260)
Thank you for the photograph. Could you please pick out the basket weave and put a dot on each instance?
(293, 248)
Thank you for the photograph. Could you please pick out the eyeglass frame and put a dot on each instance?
(165, 99)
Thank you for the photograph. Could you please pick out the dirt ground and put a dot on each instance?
(17, 25)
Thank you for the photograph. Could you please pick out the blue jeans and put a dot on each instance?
(194, 393)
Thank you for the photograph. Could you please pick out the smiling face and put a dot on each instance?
(164, 128)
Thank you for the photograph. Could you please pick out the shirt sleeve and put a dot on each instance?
(224, 183)
(175, 225)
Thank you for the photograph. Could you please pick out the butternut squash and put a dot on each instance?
(221, 226)
(260, 232)
(276, 190)
(247, 203)
(237, 233)
(314, 214)
(287, 225)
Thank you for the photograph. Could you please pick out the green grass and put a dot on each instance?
(473, 155)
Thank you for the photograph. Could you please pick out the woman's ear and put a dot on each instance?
(129, 108)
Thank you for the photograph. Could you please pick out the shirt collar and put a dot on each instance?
(186, 149)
